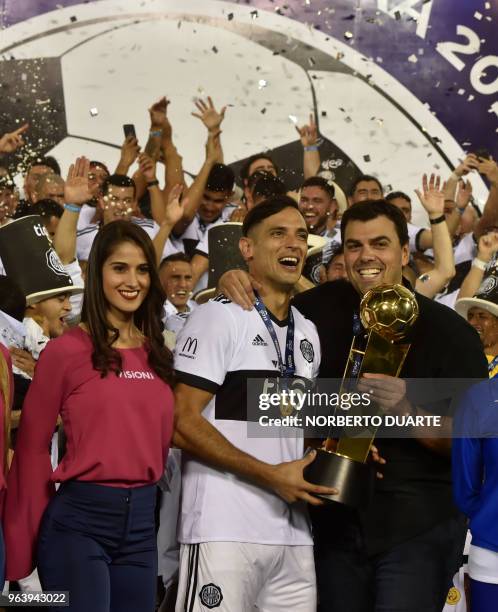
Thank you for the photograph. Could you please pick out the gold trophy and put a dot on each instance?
(387, 312)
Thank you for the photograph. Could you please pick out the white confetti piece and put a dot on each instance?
(94, 112)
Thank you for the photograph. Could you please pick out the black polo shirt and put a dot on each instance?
(415, 493)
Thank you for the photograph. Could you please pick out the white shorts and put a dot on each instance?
(240, 577)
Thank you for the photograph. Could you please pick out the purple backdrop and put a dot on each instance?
(465, 100)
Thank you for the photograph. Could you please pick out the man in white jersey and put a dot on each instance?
(245, 544)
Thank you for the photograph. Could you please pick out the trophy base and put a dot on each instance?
(355, 481)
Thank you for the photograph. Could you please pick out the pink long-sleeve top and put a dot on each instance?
(118, 431)
(3, 408)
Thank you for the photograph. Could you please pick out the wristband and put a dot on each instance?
(311, 148)
(73, 207)
(157, 133)
(152, 183)
(437, 220)
(460, 210)
(479, 264)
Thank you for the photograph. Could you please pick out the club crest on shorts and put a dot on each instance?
(307, 350)
(211, 595)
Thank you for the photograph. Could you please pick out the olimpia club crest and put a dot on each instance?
(35, 266)
(211, 595)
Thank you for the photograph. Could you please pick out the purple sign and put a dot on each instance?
(444, 51)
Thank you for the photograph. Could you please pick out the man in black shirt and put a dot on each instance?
(401, 554)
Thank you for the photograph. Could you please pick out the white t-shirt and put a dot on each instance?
(173, 320)
(220, 347)
(413, 232)
(483, 564)
(86, 236)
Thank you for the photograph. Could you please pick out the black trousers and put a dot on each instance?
(99, 543)
(411, 577)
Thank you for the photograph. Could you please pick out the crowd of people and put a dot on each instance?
(134, 307)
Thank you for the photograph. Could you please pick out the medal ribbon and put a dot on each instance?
(357, 359)
(287, 368)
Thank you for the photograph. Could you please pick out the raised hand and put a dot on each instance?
(211, 118)
(129, 152)
(489, 168)
(147, 167)
(77, 188)
(467, 165)
(487, 246)
(157, 113)
(464, 193)
(174, 208)
(431, 197)
(12, 141)
(308, 133)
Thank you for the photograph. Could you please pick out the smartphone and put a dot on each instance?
(129, 130)
(482, 153)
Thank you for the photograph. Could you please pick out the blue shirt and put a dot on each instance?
(475, 462)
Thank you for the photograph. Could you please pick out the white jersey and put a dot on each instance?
(220, 347)
(413, 233)
(86, 236)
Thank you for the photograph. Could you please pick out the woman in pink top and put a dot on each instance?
(109, 380)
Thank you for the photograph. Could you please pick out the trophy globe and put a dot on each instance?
(389, 310)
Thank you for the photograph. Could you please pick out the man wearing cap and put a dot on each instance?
(481, 311)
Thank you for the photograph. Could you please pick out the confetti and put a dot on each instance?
(324, 113)
(413, 58)
(73, 19)
(460, 92)
(254, 14)
(348, 18)
(214, 49)
(230, 16)
(262, 83)
(478, 16)
(487, 5)
(348, 120)
(293, 119)
(348, 35)
(470, 98)
(263, 111)
(366, 158)
(94, 112)
(397, 14)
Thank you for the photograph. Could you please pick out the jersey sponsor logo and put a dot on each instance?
(222, 299)
(211, 595)
(137, 374)
(189, 348)
(307, 350)
(259, 341)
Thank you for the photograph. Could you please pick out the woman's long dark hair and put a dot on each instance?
(148, 318)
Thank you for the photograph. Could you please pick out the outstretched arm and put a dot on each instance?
(76, 193)
(172, 213)
(486, 249)
(432, 199)
(309, 139)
